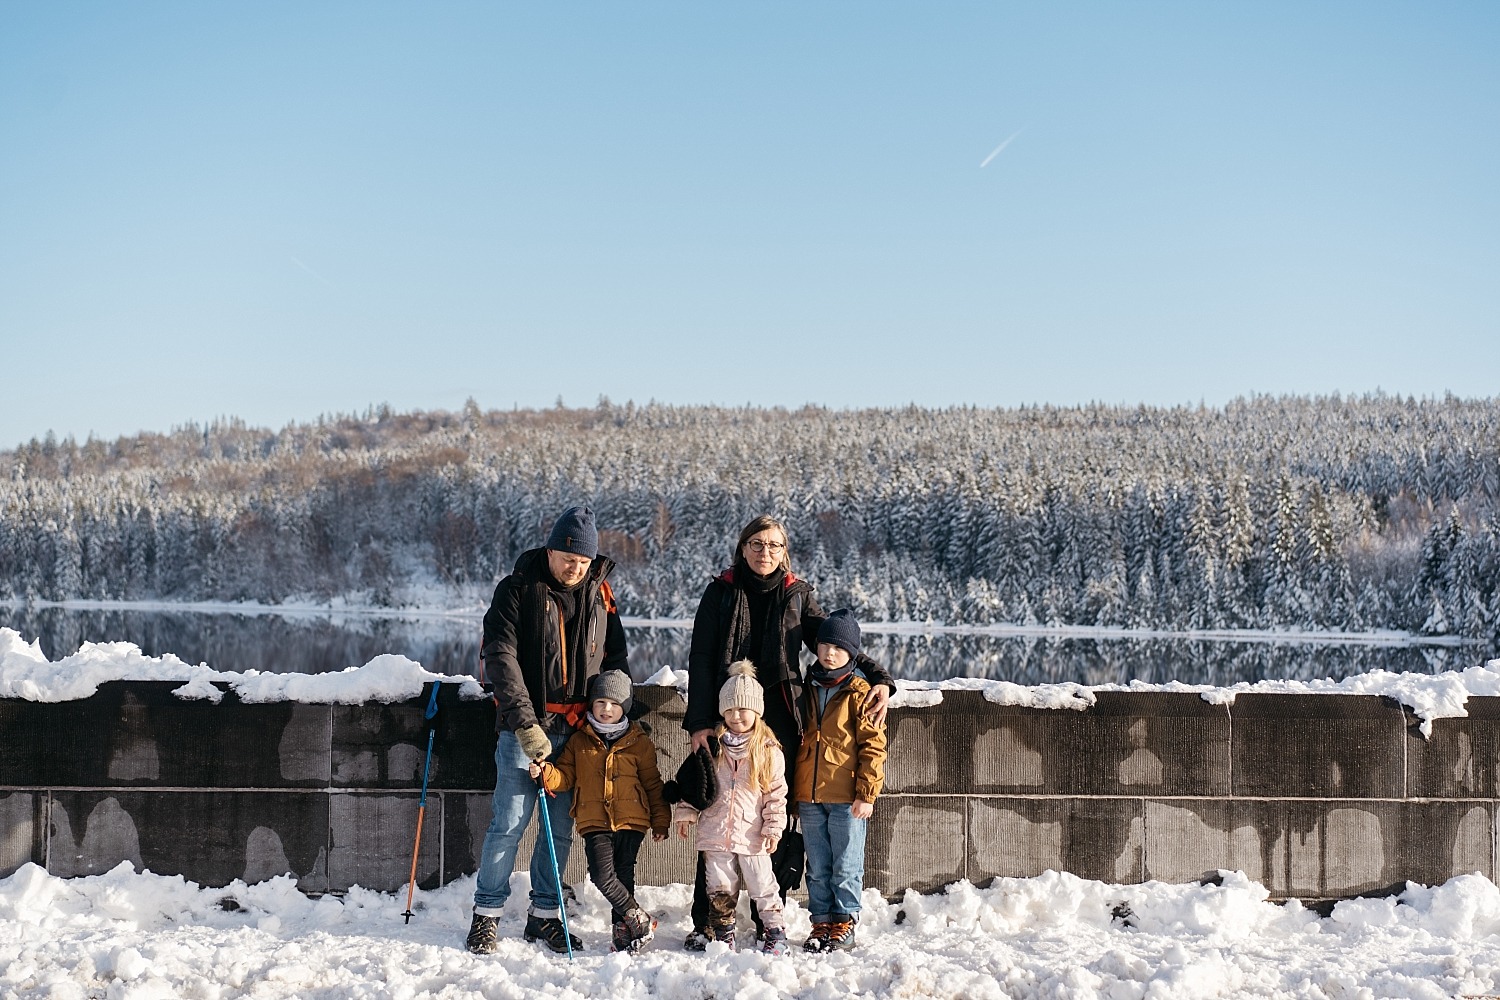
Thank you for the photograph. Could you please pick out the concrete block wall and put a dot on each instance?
(1314, 796)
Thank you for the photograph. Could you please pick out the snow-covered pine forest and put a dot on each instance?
(1271, 512)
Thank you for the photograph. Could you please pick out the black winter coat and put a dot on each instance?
(778, 665)
(525, 638)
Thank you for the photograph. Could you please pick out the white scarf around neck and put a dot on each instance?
(609, 731)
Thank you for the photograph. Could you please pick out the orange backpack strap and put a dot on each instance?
(609, 598)
(572, 711)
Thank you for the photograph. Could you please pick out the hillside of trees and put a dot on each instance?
(1270, 512)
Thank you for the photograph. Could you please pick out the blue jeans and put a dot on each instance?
(835, 843)
(515, 798)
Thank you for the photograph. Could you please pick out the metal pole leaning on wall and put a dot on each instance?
(430, 715)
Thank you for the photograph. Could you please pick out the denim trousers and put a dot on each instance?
(515, 799)
(835, 843)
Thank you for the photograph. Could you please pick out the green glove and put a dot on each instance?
(534, 742)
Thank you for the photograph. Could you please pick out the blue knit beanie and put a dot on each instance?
(841, 629)
(574, 532)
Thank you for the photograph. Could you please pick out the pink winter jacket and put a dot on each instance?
(741, 819)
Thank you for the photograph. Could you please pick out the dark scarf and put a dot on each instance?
(823, 677)
(754, 632)
(569, 605)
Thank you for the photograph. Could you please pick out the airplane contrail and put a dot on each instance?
(999, 149)
(324, 280)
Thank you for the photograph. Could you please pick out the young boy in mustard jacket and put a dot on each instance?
(840, 768)
(610, 763)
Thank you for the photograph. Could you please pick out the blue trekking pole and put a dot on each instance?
(545, 833)
(422, 804)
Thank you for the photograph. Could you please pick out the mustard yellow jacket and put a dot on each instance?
(615, 787)
(842, 757)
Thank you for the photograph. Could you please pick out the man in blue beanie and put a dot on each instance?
(551, 627)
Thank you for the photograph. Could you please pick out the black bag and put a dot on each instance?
(789, 862)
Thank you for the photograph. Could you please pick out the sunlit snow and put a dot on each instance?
(138, 936)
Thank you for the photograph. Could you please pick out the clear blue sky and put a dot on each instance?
(275, 210)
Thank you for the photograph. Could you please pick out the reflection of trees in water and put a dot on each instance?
(274, 644)
(1040, 660)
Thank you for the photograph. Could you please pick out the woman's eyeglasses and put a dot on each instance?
(773, 548)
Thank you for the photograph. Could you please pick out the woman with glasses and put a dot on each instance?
(759, 610)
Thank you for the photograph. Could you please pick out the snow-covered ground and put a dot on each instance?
(138, 936)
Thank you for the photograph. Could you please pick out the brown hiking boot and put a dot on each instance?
(840, 936)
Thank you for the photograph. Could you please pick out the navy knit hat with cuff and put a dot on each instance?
(575, 533)
(841, 629)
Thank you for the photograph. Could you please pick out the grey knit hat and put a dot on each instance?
(742, 690)
(575, 532)
(614, 685)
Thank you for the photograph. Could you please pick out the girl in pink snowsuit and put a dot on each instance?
(740, 829)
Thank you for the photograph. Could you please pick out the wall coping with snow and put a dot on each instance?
(1315, 795)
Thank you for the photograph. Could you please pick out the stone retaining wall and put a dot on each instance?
(1314, 796)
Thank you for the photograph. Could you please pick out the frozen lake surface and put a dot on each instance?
(319, 640)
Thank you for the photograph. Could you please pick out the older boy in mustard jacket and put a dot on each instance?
(840, 768)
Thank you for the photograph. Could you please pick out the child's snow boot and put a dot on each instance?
(818, 939)
(774, 942)
(641, 927)
(619, 936)
(721, 916)
(840, 935)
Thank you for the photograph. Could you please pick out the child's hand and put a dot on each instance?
(534, 769)
(683, 826)
(770, 844)
(861, 809)
(658, 835)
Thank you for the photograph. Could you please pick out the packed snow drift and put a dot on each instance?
(125, 935)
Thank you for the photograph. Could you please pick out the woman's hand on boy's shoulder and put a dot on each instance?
(876, 703)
